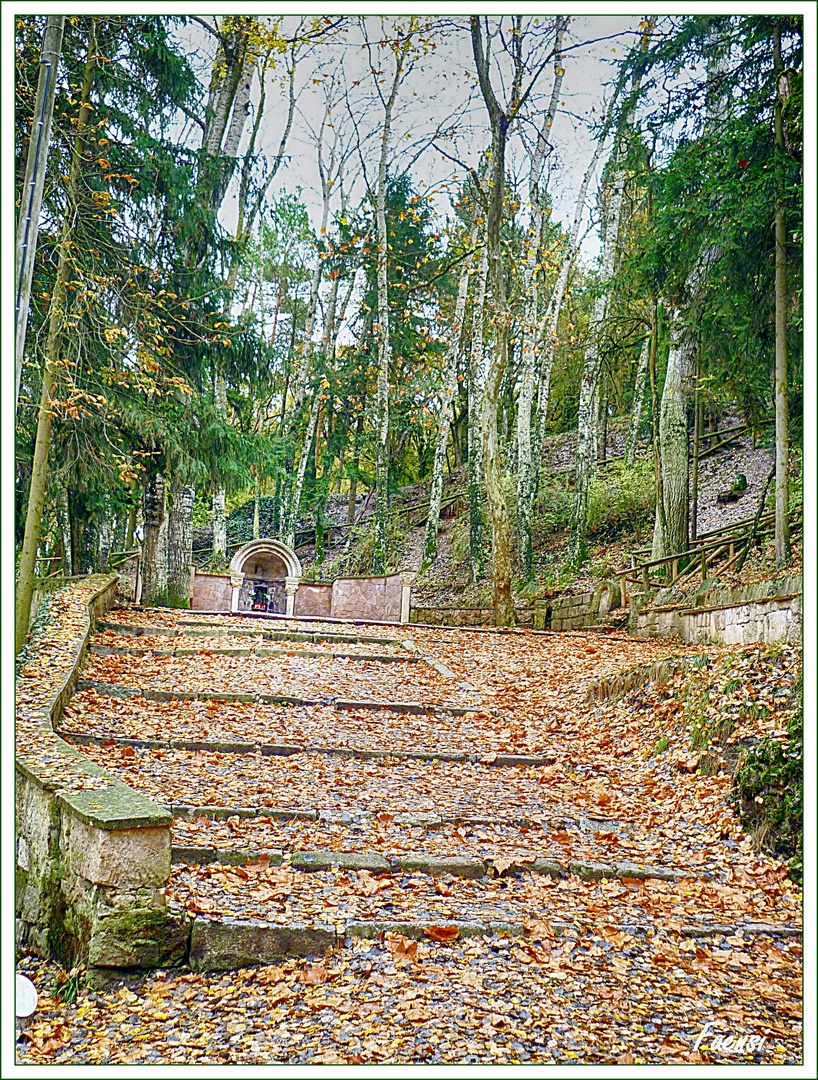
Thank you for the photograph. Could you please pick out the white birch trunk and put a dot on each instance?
(640, 383)
(445, 415)
(295, 501)
(384, 342)
(532, 242)
(475, 441)
(586, 434)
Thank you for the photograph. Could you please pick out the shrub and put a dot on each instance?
(768, 792)
(621, 497)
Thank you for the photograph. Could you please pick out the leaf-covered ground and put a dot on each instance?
(623, 962)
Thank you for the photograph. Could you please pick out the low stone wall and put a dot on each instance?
(585, 609)
(93, 856)
(313, 598)
(367, 598)
(210, 592)
(765, 611)
(447, 616)
(536, 616)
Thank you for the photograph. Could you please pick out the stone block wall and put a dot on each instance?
(585, 609)
(443, 616)
(376, 598)
(763, 618)
(93, 856)
(210, 592)
(313, 598)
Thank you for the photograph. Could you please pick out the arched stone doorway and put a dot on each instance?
(264, 576)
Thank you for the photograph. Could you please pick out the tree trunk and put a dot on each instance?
(219, 518)
(256, 513)
(105, 535)
(673, 436)
(475, 441)
(26, 573)
(444, 416)
(356, 464)
(64, 527)
(697, 439)
(295, 502)
(180, 544)
(31, 202)
(638, 402)
(500, 535)
(532, 243)
(585, 423)
(130, 528)
(782, 403)
(384, 342)
(154, 548)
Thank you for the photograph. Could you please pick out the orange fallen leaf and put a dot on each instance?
(314, 975)
(442, 933)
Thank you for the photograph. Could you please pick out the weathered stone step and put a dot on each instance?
(229, 943)
(120, 690)
(255, 650)
(283, 749)
(436, 866)
(194, 628)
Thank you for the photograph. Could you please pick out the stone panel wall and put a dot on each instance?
(367, 598)
(313, 598)
(210, 592)
(92, 854)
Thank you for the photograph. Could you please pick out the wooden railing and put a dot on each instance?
(729, 541)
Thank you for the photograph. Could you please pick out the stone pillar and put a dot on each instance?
(236, 581)
(291, 588)
(407, 579)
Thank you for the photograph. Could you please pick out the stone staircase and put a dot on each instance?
(331, 782)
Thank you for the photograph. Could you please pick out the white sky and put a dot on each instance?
(443, 88)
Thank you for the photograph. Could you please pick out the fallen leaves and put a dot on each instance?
(442, 933)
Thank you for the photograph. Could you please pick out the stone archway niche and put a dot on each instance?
(270, 565)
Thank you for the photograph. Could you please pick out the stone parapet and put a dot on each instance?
(92, 855)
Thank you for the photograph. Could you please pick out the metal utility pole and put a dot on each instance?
(32, 200)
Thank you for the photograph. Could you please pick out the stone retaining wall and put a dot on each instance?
(313, 598)
(93, 856)
(765, 611)
(210, 592)
(585, 609)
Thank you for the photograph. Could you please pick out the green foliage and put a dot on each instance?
(358, 559)
(67, 985)
(769, 792)
(555, 503)
(621, 497)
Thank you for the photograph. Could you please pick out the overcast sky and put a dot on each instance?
(442, 90)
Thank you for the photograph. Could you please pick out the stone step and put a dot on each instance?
(122, 690)
(194, 628)
(254, 650)
(436, 866)
(261, 912)
(227, 944)
(284, 749)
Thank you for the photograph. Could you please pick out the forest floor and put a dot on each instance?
(514, 872)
